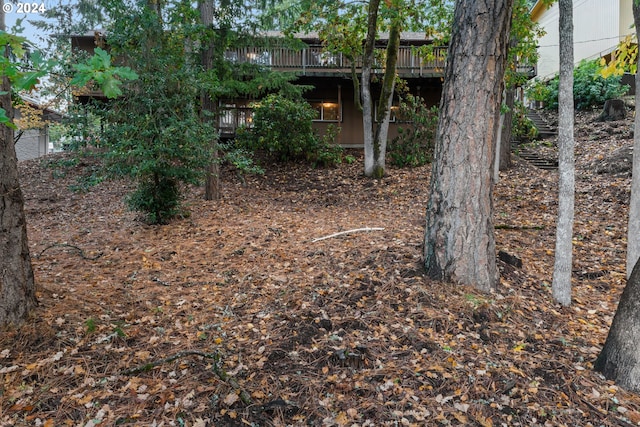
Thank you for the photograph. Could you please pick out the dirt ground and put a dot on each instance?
(239, 314)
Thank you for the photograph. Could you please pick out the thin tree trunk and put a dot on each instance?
(496, 162)
(386, 101)
(17, 286)
(561, 285)
(459, 237)
(208, 107)
(367, 102)
(633, 233)
(506, 131)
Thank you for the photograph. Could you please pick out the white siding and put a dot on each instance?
(598, 27)
(32, 144)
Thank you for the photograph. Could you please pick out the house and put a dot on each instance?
(599, 26)
(33, 135)
(332, 95)
(329, 74)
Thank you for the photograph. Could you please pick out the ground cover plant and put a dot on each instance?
(590, 88)
(246, 313)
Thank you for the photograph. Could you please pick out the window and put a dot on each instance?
(232, 116)
(328, 111)
(395, 112)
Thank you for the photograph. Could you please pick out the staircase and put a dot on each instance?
(535, 159)
(544, 130)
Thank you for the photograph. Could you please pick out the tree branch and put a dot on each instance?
(355, 230)
(66, 245)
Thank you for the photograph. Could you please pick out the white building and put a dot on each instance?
(34, 143)
(598, 27)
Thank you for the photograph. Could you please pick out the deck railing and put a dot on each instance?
(314, 60)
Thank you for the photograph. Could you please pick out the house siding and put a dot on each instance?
(32, 144)
(598, 28)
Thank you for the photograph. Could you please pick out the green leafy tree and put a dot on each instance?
(352, 29)
(590, 87)
(154, 134)
(523, 54)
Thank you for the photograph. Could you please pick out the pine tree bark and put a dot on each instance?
(633, 233)
(17, 287)
(459, 237)
(619, 359)
(561, 284)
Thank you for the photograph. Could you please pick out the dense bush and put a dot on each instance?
(415, 141)
(154, 135)
(589, 88)
(523, 128)
(282, 128)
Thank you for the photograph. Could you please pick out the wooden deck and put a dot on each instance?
(314, 60)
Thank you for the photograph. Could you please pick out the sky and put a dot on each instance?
(18, 10)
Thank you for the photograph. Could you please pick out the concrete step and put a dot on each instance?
(533, 158)
(544, 129)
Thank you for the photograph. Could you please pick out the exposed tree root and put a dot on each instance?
(66, 245)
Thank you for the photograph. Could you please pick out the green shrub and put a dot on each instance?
(522, 126)
(415, 141)
(154, 135)
(158, 197)
(327, 152)
(589, 88)
(283, 130)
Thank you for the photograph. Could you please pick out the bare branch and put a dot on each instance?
(355, 230)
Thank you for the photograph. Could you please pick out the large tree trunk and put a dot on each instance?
(561, 285)
(619, 359)
(208, 107)
(17, 288)
(633, 233)
(367, 102)
(459, 238)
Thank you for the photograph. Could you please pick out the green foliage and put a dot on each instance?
(154, 134)
(85, 182)
(623, 60)
(23, 73)
(282, 129)
(523, 48)
(241, 159)
(158, 196)
(589, 87)
(523, 128)
(91, 325)
(98, 68)
(415, 141)
(81, 127)
(328, 152)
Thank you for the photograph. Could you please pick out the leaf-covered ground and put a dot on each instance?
(237, 316)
